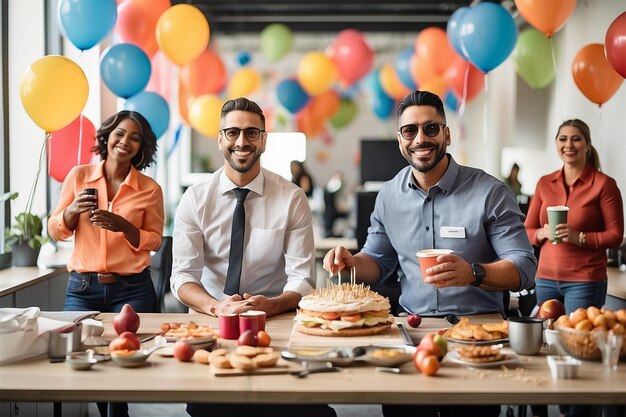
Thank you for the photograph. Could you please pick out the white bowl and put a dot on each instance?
(80, 361)
(563, 367)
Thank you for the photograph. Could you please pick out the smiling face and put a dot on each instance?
(425, 154)
(242, 155)
(124, 141)
(571, 146)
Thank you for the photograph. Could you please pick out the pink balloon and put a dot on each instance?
(63, 148)
(615, 44)
(352, 55)
(463, 75)
(162, 69)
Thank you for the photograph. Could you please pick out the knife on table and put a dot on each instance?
(405, 335)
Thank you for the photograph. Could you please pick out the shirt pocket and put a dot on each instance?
(264, 252)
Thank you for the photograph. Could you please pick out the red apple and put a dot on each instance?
(183, 351)
(126, 320)
(248, 338)
(551, 309)
(125, 341)
(414, 320)
(434, 343)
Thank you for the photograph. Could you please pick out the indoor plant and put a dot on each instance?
(25, 237)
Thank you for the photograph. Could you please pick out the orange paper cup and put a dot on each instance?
(428, 258)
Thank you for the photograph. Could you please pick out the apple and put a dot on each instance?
(426, 362)
(247, 338)
(126, 320)
(435, 344)
(551, 309)
(125, 341)
(414, 320)
(183, 351)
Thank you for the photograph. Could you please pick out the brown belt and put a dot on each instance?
(107, 278)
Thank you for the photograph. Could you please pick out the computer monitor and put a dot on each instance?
(380, 161)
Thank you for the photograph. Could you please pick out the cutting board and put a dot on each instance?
(393, 338)
(281, 367)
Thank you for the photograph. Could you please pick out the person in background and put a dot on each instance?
(513, 182)
(302, 178)
(332, 212)
(278, 261)
(115, 229)
(436, 203)
(574, 271)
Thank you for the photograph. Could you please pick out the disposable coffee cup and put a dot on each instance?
(428, 258)
(556, 215)
(526, 335)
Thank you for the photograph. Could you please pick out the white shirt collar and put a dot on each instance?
(256, 185)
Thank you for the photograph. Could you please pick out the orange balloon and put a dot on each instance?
(184, 101)
(420, 70)
(548, 16)
(432, 47)
(456, 76)
(593, 74)
(326, 105)
(309, 122)
(205, 75)
(392, 86)
(436, 86)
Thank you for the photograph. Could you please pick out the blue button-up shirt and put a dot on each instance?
(407, 219)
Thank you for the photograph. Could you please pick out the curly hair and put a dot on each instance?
(145, 156)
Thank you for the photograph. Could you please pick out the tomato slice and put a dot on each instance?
(330, 316)
(352, 317)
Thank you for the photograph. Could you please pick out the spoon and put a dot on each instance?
(139, 357)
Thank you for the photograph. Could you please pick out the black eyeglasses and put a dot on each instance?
(251, 133)
(431, 129)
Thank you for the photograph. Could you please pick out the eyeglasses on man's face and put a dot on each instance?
(251, 133)
(431, 129)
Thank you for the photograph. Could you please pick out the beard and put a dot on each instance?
(440, 153)
(245, 166)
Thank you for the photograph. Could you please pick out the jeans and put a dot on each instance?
(572, 294)
(84, 293)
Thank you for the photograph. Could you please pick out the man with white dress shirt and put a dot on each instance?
(278, 264)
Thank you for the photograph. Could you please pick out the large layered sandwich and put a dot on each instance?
(344, 310)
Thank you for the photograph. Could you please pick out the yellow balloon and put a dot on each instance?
(182, 33)
(392, 86)
(54, 91)
(244, 82)
(316, 73)
(204, 115)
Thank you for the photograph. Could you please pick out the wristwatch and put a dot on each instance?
(479, 274)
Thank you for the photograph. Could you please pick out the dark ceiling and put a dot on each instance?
(241, 16)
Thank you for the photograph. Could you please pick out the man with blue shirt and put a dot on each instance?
(437, 204)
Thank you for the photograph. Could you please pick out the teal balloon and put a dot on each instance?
(532, 59)
(276, 41)
(153, 107)
(86, 22)
(346, 113)
(125, 69)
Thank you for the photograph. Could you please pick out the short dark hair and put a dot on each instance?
(242, 104)
(145, 156)
(422, 98)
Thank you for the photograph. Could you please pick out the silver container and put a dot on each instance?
(62, 342)
(526, 335)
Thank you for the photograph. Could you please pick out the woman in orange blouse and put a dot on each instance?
(115, 229)
(574, 271)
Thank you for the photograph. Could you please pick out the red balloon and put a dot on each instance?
(593, 75)
(615, 44)
(133, 27)
(204, 75)
(352, 55)
(456, 75)
(63, 153)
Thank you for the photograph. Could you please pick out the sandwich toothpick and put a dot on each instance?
(339, 275)
(353, 275)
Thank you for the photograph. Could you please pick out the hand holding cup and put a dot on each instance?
(556, 215)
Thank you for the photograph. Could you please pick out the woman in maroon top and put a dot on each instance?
(574, 271)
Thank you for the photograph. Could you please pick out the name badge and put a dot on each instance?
(452, 232)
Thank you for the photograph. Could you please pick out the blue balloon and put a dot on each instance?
(453, 30)
(86, 22)
(153, 107)
(292, 96)
(402, 67)
(125, 69)
(244, 58)
(488, 35)
(452, 101)
(382, 105)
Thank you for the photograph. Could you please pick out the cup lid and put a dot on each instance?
(427, 253)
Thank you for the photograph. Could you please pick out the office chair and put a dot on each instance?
(161, 270)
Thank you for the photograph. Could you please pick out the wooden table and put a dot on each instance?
(169, 381)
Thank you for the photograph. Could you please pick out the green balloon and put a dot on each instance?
(276, 41)
(532, 58)
(345, 114)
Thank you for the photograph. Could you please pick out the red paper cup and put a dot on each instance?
(249, 322)
(229, 326)
(261, 315)
(428, 258)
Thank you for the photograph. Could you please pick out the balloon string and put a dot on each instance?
(485, 125)
(553, 54)
(464, 98)
(80, 138)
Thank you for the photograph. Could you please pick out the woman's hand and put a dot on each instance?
(115, 223)
(566, 233)
(82, 203)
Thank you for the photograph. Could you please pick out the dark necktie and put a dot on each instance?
(236, 244)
